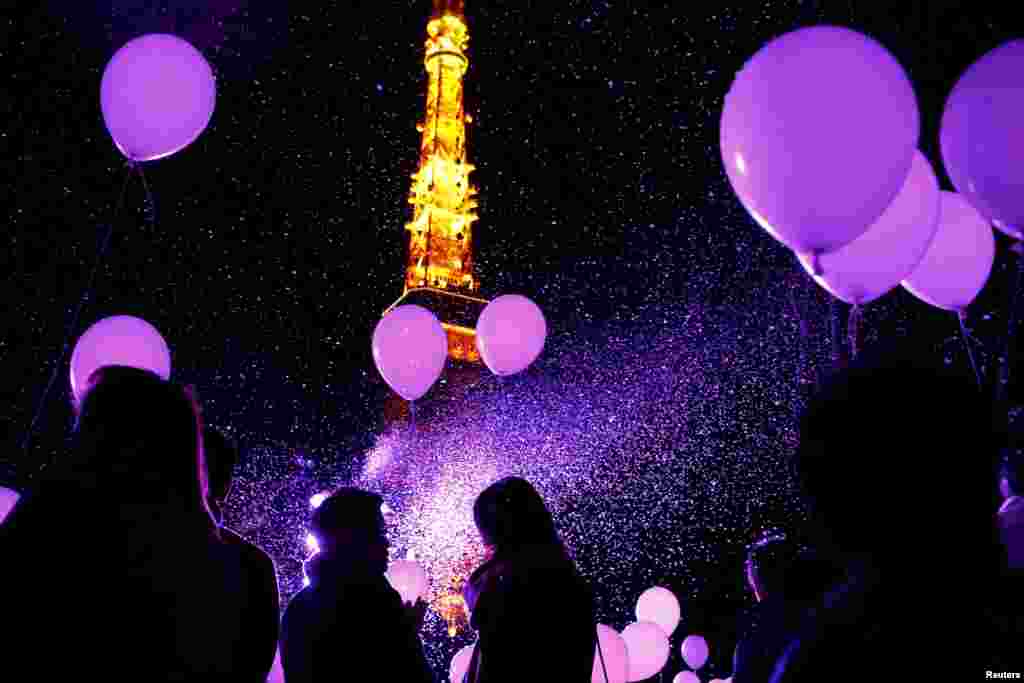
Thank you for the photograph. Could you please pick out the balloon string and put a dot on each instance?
(150, 205)
(1011, 326)
(600, 654)
(82, 300)
(412, 417)
(961, 316)
(853, 330)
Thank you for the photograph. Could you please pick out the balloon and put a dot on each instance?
(877, 261)
(408, 578)
(817, 135)
(460, 663)
(510, 334)
(660, 606)
(616, 659)
(157, 96)
(276, 670)
(695, 651)
(118, 340)
(410, 348)
(647, 647)
(687, 677)
(8, 499)
(959, 259)
(981, 140)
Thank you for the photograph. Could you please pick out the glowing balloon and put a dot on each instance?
(695, 651)
(8, 499)
(817, 135)
(660, 606)
(959, 259)
(408, 578)
(460, 663)
(687, 677)
(410, 348)
(276, 670)
(616, 658)
(510, 334)
(118, 340)
(157, 96)
(877, 261)
(648, 649)
(981, 140)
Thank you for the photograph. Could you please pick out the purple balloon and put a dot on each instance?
(8, 499)
(695, 651)
(118, 340)
(982, 137)
(157, 96)
(817, 136)
(959, 259)
(877, 261)
(409, 348)
(510, 334)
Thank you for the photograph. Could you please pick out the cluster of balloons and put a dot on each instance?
(157, 96)
(819, 137)
(410, 344)
(118, 340)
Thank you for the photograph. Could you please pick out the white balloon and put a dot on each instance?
(118, 340)
(510, 334)
(616, 657)
(687, 677)
(460, 663)
(8, 499)
(660, 606)
(695, 651)
(648, 648)
(408, 578)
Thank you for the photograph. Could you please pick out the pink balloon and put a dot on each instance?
(982, 139)
(648, 649)
(959, 259)
(616, 658)
(510, 334)
(817, 136)
(686, 677)
(118, 340)
(695, 651)
(410, 347)
(8, 499)
(877, 261)
(660, 606)
(276, 670)
(157, 96)
(460, 664)
(408, 578)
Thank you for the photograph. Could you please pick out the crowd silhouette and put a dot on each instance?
(118, 561)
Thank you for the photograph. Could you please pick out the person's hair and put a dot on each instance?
(1012, 470)
(349, 515)
(897, 430)
(138, 436)
(511, 514)
(221, 455)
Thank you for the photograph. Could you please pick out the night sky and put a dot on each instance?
(668, 391)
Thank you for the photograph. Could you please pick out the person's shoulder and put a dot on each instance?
(247, 549)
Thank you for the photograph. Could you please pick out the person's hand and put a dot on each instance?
(414, 613)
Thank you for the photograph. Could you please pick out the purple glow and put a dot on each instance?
(8, 499)
(648, 649)
(317, 500)
(510, 334)
(157, 95)
(959, 259)
(312, 544)
(118, 340)
(817, 136)
(982, 139)
(460, 663)
(410, 348)
(877, 261)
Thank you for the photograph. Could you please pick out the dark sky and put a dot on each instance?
(279, 236)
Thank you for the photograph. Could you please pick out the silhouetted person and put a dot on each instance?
(785, 581)
(349, 624)
(533, 612)
(112, 568)
(262, 612)
(1011, 512)
(898, 458)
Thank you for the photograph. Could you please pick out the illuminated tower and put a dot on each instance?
(439, 271)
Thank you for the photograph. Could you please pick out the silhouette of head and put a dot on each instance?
(769, 562)
(350, 526)
(510, 514)
(140, 436)
(897, 454)
(221, 456)
(1011, 471)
